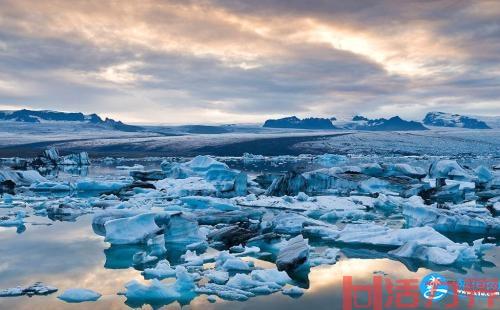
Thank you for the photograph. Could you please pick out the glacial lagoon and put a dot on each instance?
(67, 250)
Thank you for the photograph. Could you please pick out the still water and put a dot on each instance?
(71, 255)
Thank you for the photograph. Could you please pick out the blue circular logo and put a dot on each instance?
(434, 287)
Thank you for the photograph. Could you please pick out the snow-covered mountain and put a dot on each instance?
(394, 123)
(295, 122)
(492, 121)
(442, 119)
(32, 116)
(358, 123)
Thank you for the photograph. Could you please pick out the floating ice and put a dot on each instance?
(51, 157)
(293, 291)
(182, 231)
(161, 271)
(328, 257)
(330, 160)
(294, 254)
(459, 219)
(79, 159)
(448, 169)
(24, 178)
(159, 293)
(135, 229)
(225, 292)
(8, 198)
(217, 276)
(228, 262)
(484, 175)
(156, 245)
(271, 275)
(50, 187)
(217, 176)
(17, 221)
(192, 259)
(134, 167)
(197, 202)
(76, 295)
(291, 183)
(89, 185)
(192, 186)
(422, 243)
(38, 288)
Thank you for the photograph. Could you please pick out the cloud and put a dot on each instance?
(181, 61)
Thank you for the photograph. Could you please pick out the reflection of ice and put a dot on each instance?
(352, 216)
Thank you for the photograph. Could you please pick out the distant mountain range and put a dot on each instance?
(357, 123)
(442, 119)
(395, 123)
(31, 116)
(295, 122)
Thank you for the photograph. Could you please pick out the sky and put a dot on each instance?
(243, 61)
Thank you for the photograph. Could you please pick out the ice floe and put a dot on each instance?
(38, 288)
(77, 295)
(214, 228)
(130, 230)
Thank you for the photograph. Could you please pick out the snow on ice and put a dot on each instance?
(205, 223)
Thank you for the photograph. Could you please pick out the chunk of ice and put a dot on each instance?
(76, 295)
(294, 254)
(135, 229)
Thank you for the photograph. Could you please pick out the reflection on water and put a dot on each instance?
(72, 255)
(68, 255)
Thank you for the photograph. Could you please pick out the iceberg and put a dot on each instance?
(183, 231)
(38, 288)
(293, 291)
(192, 259)
(78, 159)
(64, 212)
(149, 175)
(245, 282)
(459, 219)
(484, 175)
(159, 293)
(192, 186)
(217, 176)
(448, 169)
(50, 187)
(271, 275)
(21, 178)
(217, 276)
(156, 245)
(421, 243)
(442, 255)
(228, 262)
(161, 271)
(15, 222)
(197, 202)
(142, 258)
(329, 160)
(51, 157)
(328, 257)
(131, 230)
(89, 185)
(290, 184)
(232, 235)
(294, 254)
(76, 295)
(225, 292)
